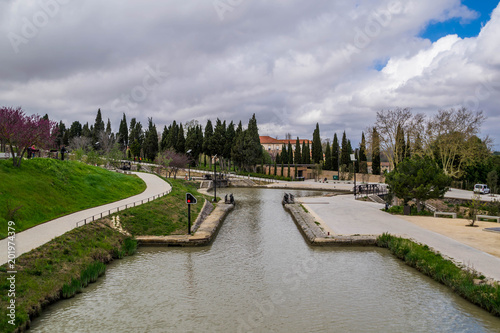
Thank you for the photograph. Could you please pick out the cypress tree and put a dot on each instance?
(218, 138)
(408, 146)
(252, 149)
(123, 133)
(290, 153)
(209, 131)
(328, 157)
(308, 154)
(335, 153)
(108, 127)
(180, 145)
(400, 148)
(317, 151)
(298, 155)
(284, 154)
(345, 159)
(363, 168)
(98, 128)
(151, 141)
(237, 147)
(375, 152)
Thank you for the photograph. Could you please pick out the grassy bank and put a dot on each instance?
(59, 269)
(164, 216)
(43, 189)
(444, 271)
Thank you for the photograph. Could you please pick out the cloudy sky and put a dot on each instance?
(292, 62)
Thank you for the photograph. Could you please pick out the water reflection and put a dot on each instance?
(260, 276)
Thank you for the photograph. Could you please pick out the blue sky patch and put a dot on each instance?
(470, 28)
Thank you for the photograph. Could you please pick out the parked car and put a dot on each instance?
(481, 189)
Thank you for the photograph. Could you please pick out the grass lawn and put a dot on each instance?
(164, 216)
(43, 189)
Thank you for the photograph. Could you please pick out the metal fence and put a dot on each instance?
(117, 209)
(365, 190)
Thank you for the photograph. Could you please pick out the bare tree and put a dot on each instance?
(387, 124)
(80, 142)
(172, 161)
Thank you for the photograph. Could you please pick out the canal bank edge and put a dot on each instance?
(481, 291)
(315, 235)
(205, 229)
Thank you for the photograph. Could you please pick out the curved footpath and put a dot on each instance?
(34, 237)
(347, 216)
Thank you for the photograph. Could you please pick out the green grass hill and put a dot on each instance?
(43, 189)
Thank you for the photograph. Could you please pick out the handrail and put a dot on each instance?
(117, 209)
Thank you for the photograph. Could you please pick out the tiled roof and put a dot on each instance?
(270, 140)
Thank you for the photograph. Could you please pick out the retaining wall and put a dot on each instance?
(314, 235)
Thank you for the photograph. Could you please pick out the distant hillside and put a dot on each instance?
(43, 189)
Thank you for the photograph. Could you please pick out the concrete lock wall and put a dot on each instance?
(307, 173)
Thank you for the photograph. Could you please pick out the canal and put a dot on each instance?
(260, 276)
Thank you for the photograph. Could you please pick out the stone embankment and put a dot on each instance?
(315, 235)
(205, 229)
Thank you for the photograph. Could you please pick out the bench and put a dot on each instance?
(488, 217)
(453, 215)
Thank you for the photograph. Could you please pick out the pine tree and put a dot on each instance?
(375, 152)
(328, 157)
(75, 130)
(298, 155)
(317, 150)
(335, 153)
(363, 166)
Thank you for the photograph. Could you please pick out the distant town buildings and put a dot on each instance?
(273, 146)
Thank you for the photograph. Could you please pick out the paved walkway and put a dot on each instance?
(41, 234)
(344, 215)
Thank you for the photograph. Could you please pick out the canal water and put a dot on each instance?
(260, 276)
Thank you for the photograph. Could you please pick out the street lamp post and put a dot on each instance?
(215, 179)
(353, 159)
(189, 163)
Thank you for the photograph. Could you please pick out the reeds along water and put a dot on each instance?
(462, 281)
(88, 275)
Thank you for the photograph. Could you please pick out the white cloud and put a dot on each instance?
(293, 63)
